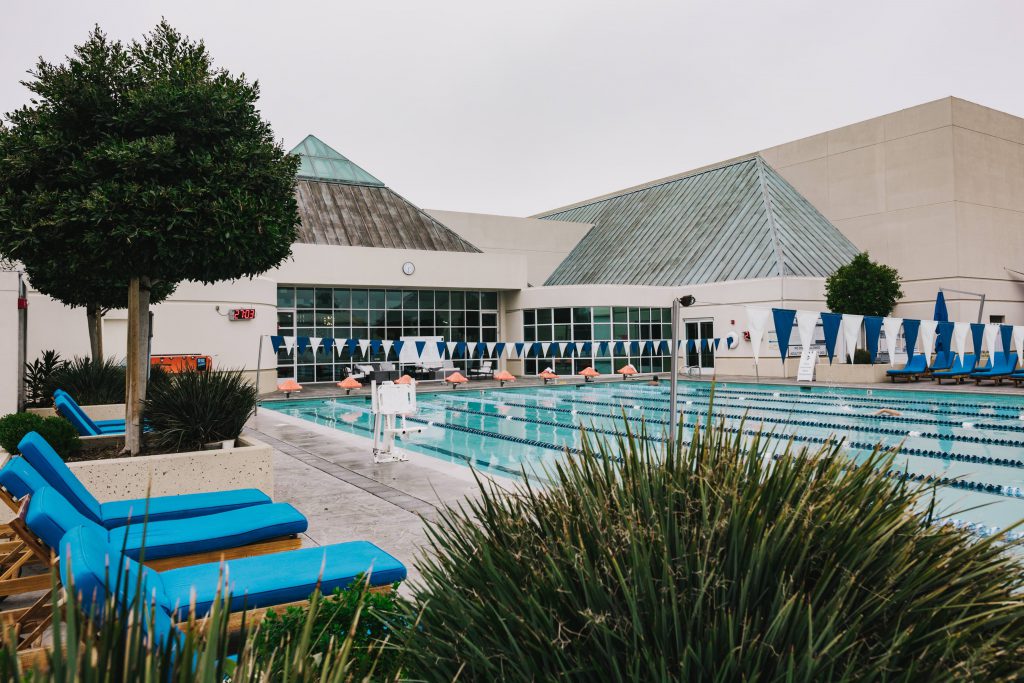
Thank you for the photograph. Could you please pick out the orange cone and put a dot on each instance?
(288, 386)
(589, 373)
(504, 376)
(348, 384)
(455, 378)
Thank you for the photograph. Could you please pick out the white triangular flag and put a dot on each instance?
(806, 321)
(851, 333)
(289, 344)
(960, 332)
(757, 319)
(991, 337)
(544, 346)
(490, 348)
(451, 349)
(314, 344)
(927, 335)
(892, 332)
(1018, 341)
(387, 344)
(364, 344)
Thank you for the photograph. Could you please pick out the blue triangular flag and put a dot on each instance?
(534, 349)
(1005, 335)
(554, 350)
(830, 323)
(717, 341)
(602, 348)
(276, 342)
(784, 318)
(634, 348)
(460, 349)
(691, 346)
(481, 350)
(499, 349)
(441, 348)
(353, 346)
(663, 347)
(944, 335)
(328, 343)
(397, 346)
(649, 347)
(872, 328)
(519, 346)
(301, 344)
(977, 336)
(420, 345)
(705, 345)
(910, 329)
(620, 348)
(570, 349)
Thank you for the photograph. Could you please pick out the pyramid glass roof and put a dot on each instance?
(318, 161)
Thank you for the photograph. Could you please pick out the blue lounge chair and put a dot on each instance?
(67, 408)
(915, 367)
(41, 466)
(943, 361)
(253, 583)
(1004, 367)
(49, 516)
(963, 366)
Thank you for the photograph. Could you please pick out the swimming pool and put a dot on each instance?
(973, 441)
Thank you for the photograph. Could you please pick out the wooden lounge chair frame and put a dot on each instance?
(25, 549)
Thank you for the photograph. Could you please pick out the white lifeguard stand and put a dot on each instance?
(390, 401)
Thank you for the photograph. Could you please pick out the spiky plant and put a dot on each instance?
(192, 408)
(712, 561)
(90, 382)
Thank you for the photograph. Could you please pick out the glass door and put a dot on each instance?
(702, 332)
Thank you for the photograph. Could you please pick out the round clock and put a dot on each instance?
(408, 268)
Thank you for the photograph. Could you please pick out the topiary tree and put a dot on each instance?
(143, 164)
(863, 287)
(712, 562)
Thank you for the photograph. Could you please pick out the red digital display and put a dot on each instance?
(242, 314)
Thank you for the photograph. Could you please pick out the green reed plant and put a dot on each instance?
(90, 382)
(712, 561)
(188, 409)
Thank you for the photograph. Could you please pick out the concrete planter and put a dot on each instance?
(248, 465)
(847, 373)
(110, 411)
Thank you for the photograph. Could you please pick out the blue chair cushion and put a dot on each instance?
(175, 537)
(50, 517)
(275, 579)
(19, 478)
(121, 512)
(70, 411)
(57, 474)
(916, 365)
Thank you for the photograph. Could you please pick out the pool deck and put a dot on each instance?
(331, 478)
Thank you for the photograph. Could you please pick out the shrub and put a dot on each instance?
(331, 623)
(863, 287)
(91, 382)
(194, 408)
(712, 562)
(56, 430)
(37, 378)
(861, 357)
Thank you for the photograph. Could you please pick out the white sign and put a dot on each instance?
(805, 372)
(394, 399)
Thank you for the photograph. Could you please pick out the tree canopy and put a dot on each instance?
(142, 164)
(863, 287)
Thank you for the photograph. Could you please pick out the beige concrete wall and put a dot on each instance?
(935, 190)
(544, 244)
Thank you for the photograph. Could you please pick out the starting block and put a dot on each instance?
(390, 403)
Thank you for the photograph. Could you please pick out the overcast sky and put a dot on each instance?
(518, 107)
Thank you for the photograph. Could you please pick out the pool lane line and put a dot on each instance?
(978, 486)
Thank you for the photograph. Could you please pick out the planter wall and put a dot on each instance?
(110, 411)
(851, 373)
(248, 465)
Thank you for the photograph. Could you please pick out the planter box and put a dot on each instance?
(851, 373)
(109, 411)
(248, 465)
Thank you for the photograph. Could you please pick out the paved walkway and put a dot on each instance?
(331, 478)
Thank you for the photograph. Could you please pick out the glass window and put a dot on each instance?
(441, 300)
(562, 315)
(561, 332)
(543, 316)
(458, 300)
(360, 298)
(410, 299)
(620, 315)
(427, 299)
(377, 318)
(285, 297)
(304, 373)
(393, 319)
(304, 297)
(489, 301)
(489, 319)
(285, 319)
(325, 318)
(377, 298)
(304, 318)
(581, 315)
(359, 319)
(602, 315)
(343, 298)
(472, 301)
(472, 318)
(581, 332)
(530, 334)
(342, 317)
(529, 316)
(324, 298)
(394, 298)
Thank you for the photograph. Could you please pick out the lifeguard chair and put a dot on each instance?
(389, 401)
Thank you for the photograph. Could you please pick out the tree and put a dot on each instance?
(145, 165)
(863, 287)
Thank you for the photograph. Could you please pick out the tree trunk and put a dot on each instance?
(94, 316)
(137, 371)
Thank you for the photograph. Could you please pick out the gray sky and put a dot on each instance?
(523, 106)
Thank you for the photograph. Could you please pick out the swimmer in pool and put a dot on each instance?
(655, 381)
(888, 412)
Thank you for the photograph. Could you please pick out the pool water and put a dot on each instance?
(974, 441)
